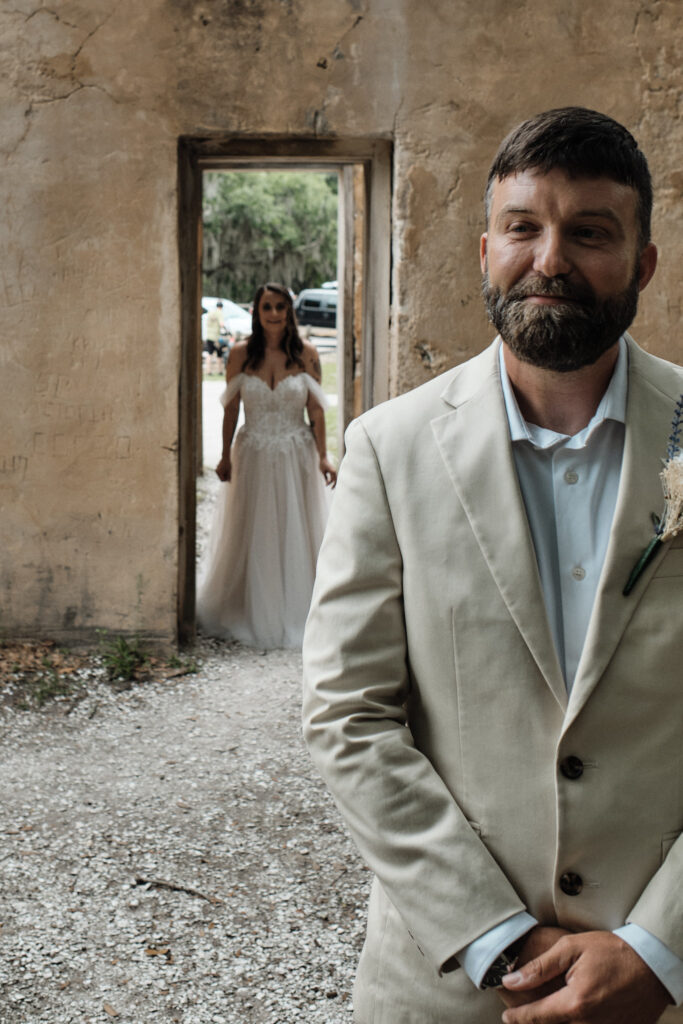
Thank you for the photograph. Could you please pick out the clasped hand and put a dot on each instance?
(584, 978)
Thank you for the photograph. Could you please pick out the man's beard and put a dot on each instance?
(559, 337)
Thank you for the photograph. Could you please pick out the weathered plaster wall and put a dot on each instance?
(93, 97)
(498, 63)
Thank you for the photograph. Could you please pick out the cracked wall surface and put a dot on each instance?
(93, 97)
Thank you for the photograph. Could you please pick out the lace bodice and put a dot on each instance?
(274, 417)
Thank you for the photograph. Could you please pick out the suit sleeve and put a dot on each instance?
(660, 907)
(438, 874)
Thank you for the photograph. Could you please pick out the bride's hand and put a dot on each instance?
(224, 469)
(328, 471)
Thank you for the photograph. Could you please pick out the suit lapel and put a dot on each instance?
(648, 421)
(474, 442)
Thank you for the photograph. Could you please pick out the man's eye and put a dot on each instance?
(519, 229)
(586, 232)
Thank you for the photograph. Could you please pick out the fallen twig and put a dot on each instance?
(73, 704)
(159, 883)
(175, 673)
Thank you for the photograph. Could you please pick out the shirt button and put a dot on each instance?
(571, 476)
(578, 573)
(571, 884)
(571, 767)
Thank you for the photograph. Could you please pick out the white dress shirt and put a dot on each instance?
(569, 486)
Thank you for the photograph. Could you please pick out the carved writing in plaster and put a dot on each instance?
(93, 446)
(72, 412)
(86, 351)
(12, 468)
(81, 346)
(54, 385)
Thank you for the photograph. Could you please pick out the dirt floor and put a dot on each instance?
(169, 853)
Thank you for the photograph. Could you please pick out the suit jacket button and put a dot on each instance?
(571, 767)
(571, 884)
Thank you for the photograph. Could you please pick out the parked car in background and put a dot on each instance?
(236, 319)
(317, 307)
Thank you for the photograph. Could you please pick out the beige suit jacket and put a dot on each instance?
(435, 707)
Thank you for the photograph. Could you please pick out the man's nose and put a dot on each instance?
(550, 257)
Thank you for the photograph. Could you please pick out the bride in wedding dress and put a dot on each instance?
(256, 576)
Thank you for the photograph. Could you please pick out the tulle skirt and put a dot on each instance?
(256, 576)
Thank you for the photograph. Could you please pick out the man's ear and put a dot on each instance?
(482, 251)
(646, 265)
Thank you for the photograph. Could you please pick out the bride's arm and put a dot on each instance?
(316, 415)
(238, 354)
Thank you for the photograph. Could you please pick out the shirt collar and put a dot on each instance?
(612, 407)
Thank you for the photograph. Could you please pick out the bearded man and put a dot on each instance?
(498, 721)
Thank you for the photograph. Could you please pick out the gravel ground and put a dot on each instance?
(169, 853)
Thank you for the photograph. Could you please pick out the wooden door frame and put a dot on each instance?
(198, 154)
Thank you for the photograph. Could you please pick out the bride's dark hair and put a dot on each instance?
(291, 343)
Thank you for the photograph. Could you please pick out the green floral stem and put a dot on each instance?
(642, 564)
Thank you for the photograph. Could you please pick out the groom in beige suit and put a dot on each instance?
(499, 723)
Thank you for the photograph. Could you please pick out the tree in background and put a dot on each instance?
(268, 226)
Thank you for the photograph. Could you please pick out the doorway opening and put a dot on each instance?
(273, 225)
(363, 173)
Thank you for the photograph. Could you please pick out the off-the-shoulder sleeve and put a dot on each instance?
(231, 390)
(317, 391)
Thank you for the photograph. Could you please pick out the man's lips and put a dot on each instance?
(548, 300)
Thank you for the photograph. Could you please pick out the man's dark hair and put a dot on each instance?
(582, 143)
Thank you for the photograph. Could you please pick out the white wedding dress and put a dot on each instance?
(256, 576)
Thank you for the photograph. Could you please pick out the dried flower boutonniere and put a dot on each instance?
(671, 521)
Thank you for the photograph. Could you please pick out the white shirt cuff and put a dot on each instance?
(658, 957)
(476, 958)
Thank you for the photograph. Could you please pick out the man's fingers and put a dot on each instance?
(605, 982)
(521, 997)
(551, 964)
(550, 1010)
(510, 998)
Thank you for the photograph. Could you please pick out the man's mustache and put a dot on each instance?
(551, 287)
